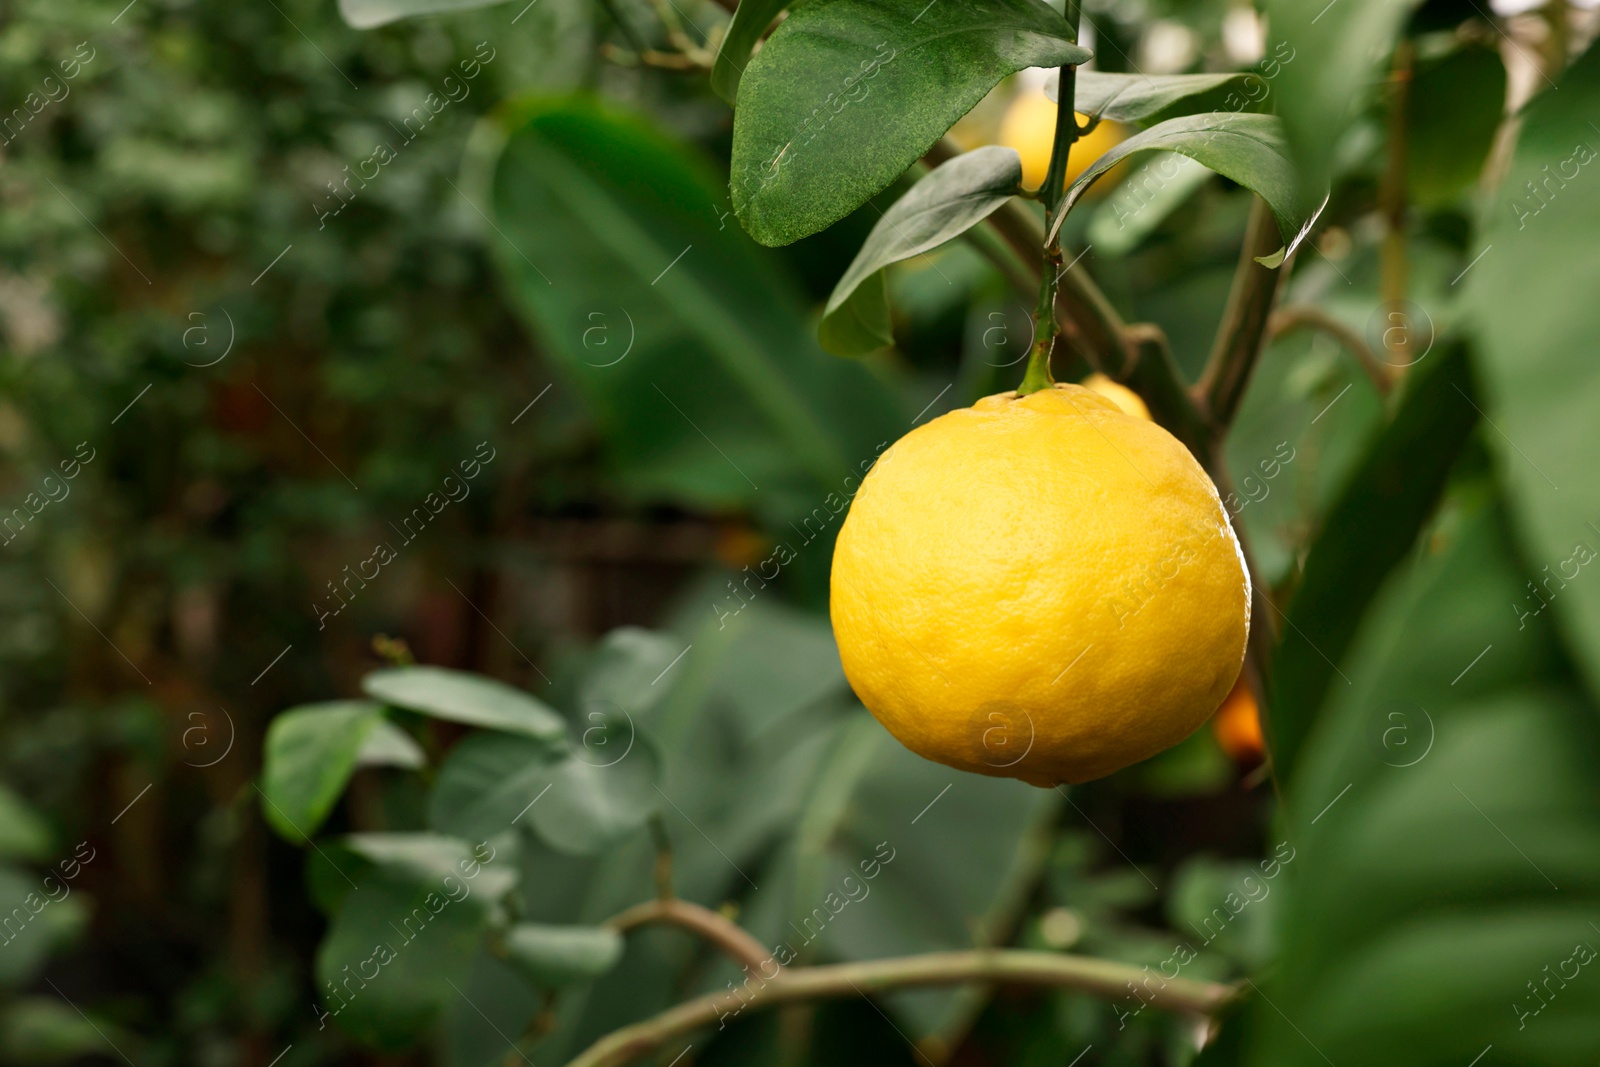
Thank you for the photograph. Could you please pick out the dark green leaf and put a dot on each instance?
(390, 746)
(596, 798)
(1454, 109)
(365, 14)
(1245, 147)
(698, 329)
(1147, 99)
(486, 782)
(847, 94)
(1333, 59)
(750, 20)
(1444, 829)
(465, 698)
(310, 753)
(950, 200)
(551, 956)
(1375, 522)
(861, 325)
(1535, 329)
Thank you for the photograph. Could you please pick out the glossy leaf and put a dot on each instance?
(553, 956)
(670, 320)
(366, 14)
(948, 201)
(458, 696)
(1147, 99)
(750, 20)
(1336, 52)
(1245, 147)
(846, 94)
(1445, 831)
(1534, 324)
(310, 753)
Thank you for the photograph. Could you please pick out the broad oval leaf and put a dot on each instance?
(1147, 99)
(1248, 148)
(591, 804)
(465, 698)
(1445, 834)
(951, 199)
(390, 746)
(1328, 55)
(487, 783)
(750, 20)
(1535, 349)
(309, 754)
(552, 956)
(847, 94)
(667, 318)
(366, 14)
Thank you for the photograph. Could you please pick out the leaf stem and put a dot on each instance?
(1101, 978)
(1052, 192)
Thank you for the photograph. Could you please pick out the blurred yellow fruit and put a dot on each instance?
(1042, 587)
(1030, 128)
(1237, 724)
(1129, 401)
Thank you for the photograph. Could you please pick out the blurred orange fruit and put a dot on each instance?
(1237, 724)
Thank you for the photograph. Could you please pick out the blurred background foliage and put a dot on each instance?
(262, 366)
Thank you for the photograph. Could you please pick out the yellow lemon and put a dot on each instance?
(1042, 587)
(1129, 401)
(1030, 128)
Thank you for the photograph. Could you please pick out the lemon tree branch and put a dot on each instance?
(1309, 317)
(1100, 978)
(1243, 332)
(725, 934)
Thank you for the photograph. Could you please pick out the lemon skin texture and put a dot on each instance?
(1030, 127)
(1043, 587)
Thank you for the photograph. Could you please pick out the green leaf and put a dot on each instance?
(365, 14)
(386, 965)
(950, 200)
(23, 834)
(592, 805)
(861, 325)
(669, 320)
(1454, 109)
(750, 20)
(846, 94)
(47, 1030)
(486, 782)
(552, 956)
(390, 746)
(629, 671)
(1148, 99)
(1143, 201)
(465, 698)
(436, 857)
(309, 755)
(1445, 836)
(1245, 147)
(1535, 332)
(1387, 499)
(1335, 52)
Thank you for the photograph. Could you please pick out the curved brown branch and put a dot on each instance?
(1101, 978)
(1308, 317)
(1244, 322)
(740, 947)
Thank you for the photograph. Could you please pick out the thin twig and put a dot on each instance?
(1244, 322)
(1101, 978)
(721, 932)
(1309, 317)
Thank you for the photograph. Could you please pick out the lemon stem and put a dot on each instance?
(1052, 193)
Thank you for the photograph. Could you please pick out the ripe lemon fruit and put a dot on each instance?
(1039, 587)
(1030, 128)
